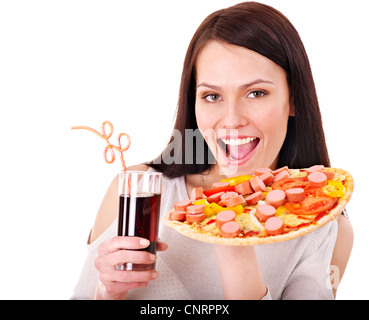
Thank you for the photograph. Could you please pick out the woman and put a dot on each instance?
(248, 88)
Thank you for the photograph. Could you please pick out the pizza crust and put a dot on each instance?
(188, 231)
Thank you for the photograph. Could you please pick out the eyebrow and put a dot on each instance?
(244, 86)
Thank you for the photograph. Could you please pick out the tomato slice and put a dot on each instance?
(316, 192)
(290, 183)
(210, 192)
(311, 205)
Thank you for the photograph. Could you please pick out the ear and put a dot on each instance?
(292, 110)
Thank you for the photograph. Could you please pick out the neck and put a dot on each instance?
(205, 179)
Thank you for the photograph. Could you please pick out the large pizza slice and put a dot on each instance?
(267, 207)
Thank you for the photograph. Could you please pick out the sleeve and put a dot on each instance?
(310, 279)
(89, 276)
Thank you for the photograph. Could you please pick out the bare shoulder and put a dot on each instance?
(108, 209)
(343, 247)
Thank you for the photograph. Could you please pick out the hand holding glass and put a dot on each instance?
(139, 210)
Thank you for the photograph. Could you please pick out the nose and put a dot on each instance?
(233, 116)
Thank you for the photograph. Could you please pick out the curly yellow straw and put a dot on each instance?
(109, 146)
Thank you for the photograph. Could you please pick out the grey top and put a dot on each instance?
(295, 269)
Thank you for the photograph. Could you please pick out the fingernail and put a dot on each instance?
(144, 242)
(154, 274)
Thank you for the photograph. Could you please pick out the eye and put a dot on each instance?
(256, 94)
(213, 97)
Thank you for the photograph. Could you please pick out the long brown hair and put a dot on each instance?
(265, 30)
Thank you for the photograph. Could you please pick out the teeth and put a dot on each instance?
(238, 142)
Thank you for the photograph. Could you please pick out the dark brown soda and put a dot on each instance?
(139, 216)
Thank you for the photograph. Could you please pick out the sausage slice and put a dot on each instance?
(234, 201)
(195, 217)
(274, 226)
(281, 175)
(261, 171)
(182, 205)
(295, 194)
(275, 198)
(254, 198)
(215, 197)
(197, 193)
(230, 229)
(317, 179)
(267, 178)
(314, 168)
(217, 185)
(257, 184)
(177, 215)
(228, 195)
(264, 212)
(244, 187)
(197, 208)
(224, 217)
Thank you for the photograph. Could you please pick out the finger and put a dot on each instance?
(161, 245)
(118, 243)
(129, 276)
(124, 256)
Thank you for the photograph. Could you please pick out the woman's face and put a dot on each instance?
(242, 107)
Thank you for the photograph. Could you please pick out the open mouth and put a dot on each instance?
(238, 149)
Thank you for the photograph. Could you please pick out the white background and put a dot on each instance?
(65, 63)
